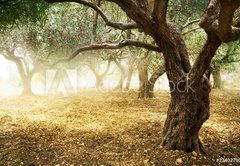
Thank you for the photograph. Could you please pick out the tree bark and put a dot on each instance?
(189, 106)
(186, 114)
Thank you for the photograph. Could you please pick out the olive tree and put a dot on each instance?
(189, 107)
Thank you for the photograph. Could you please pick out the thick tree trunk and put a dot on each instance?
(187, 112)
(216, 73)
(153, 79)
(143, 79)
(189, 106)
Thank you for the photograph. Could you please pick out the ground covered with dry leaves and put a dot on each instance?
(109, 129)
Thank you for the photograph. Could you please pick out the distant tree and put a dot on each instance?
(42, 42)
(224, 60)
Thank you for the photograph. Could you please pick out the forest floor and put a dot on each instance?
(110, 129)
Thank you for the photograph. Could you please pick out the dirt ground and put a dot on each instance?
(110, 129)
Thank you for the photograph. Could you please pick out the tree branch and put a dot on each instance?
(188, 23)
(226, 32)
(117, 25)
(109, 45)
(203, 61)
(219, 20)
(160, 11)
(191, 30)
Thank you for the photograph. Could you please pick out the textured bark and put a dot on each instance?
(186, 114)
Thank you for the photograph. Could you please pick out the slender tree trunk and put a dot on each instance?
(216, 73)
(129, 77)
(143, 79)
(151, 82)
(123, 75)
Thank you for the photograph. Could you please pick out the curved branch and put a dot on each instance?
(109, 45)
(117, 25)
(191, 30)
(188, 23)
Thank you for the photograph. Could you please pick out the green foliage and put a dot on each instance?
(227, 56)
(14, 12)
(180, 11)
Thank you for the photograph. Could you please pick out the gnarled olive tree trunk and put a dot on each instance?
(190, 88)
(188, 110)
